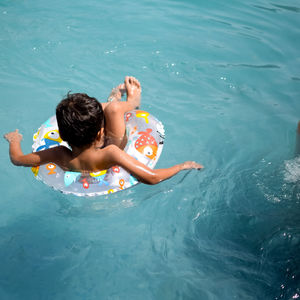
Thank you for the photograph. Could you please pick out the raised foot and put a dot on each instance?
(133, 89)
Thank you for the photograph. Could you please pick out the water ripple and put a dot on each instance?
(266, 66)
(289, 8)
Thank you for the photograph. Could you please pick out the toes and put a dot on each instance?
(132, 81)
(122, 87)
(136, 82)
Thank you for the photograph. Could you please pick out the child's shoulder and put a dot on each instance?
(106, 157)
(60, 155)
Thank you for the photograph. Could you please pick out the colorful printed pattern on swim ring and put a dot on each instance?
(145, 142)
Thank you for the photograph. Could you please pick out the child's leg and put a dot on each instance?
(115, 110)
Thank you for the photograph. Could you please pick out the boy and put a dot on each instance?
(96, 133)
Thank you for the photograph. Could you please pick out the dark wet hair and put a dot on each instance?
(79, 119)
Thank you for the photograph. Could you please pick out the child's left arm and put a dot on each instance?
(18, 158)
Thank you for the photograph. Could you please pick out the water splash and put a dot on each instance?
(292, 170)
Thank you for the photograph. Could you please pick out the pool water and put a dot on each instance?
(224, 78)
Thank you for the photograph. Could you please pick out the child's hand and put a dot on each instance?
(191, 165)
(13, 136)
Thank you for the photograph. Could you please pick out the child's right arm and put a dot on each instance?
(143, 173)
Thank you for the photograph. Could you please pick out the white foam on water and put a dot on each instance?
(292, 170)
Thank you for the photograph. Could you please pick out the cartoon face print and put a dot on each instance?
(121, 183)
(51, 168)
(71, 177)
(146, 144)
(51, 139)
(53, 135)
(148, 151)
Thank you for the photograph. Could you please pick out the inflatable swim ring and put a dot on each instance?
(145, 142)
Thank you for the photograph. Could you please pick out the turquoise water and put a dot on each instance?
(224, 77)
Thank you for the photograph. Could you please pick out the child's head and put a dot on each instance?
(79, 119)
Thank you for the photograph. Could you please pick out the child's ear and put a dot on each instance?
(98, 137)
(100, 133)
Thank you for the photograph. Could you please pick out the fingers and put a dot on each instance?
(19, 134)
(191, 165)
(195, 165)
(13, 136)
(198, 166)
(6, 136)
